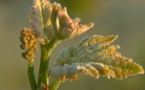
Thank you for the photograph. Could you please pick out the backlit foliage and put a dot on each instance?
(95, 56)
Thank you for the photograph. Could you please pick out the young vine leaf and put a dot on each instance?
(94, 56)
(39, 18)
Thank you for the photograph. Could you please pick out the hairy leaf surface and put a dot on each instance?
(94, 56)
(39, 17)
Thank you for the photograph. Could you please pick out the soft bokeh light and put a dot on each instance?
(125, 18)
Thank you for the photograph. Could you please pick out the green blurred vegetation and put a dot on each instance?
(125, 18)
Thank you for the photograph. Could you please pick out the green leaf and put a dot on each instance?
(94, 56)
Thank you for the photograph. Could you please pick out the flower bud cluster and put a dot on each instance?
(28, 43)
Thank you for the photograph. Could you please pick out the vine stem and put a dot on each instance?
(46, 50)
(55, 84)
(31, 75)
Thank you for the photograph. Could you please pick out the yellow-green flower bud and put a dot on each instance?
(29, 43)
(28, 40)
(28, 55)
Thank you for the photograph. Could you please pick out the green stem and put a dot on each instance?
(31, 76)
(55, 85)
(46, 50)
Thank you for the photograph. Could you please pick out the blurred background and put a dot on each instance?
(125, 18)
